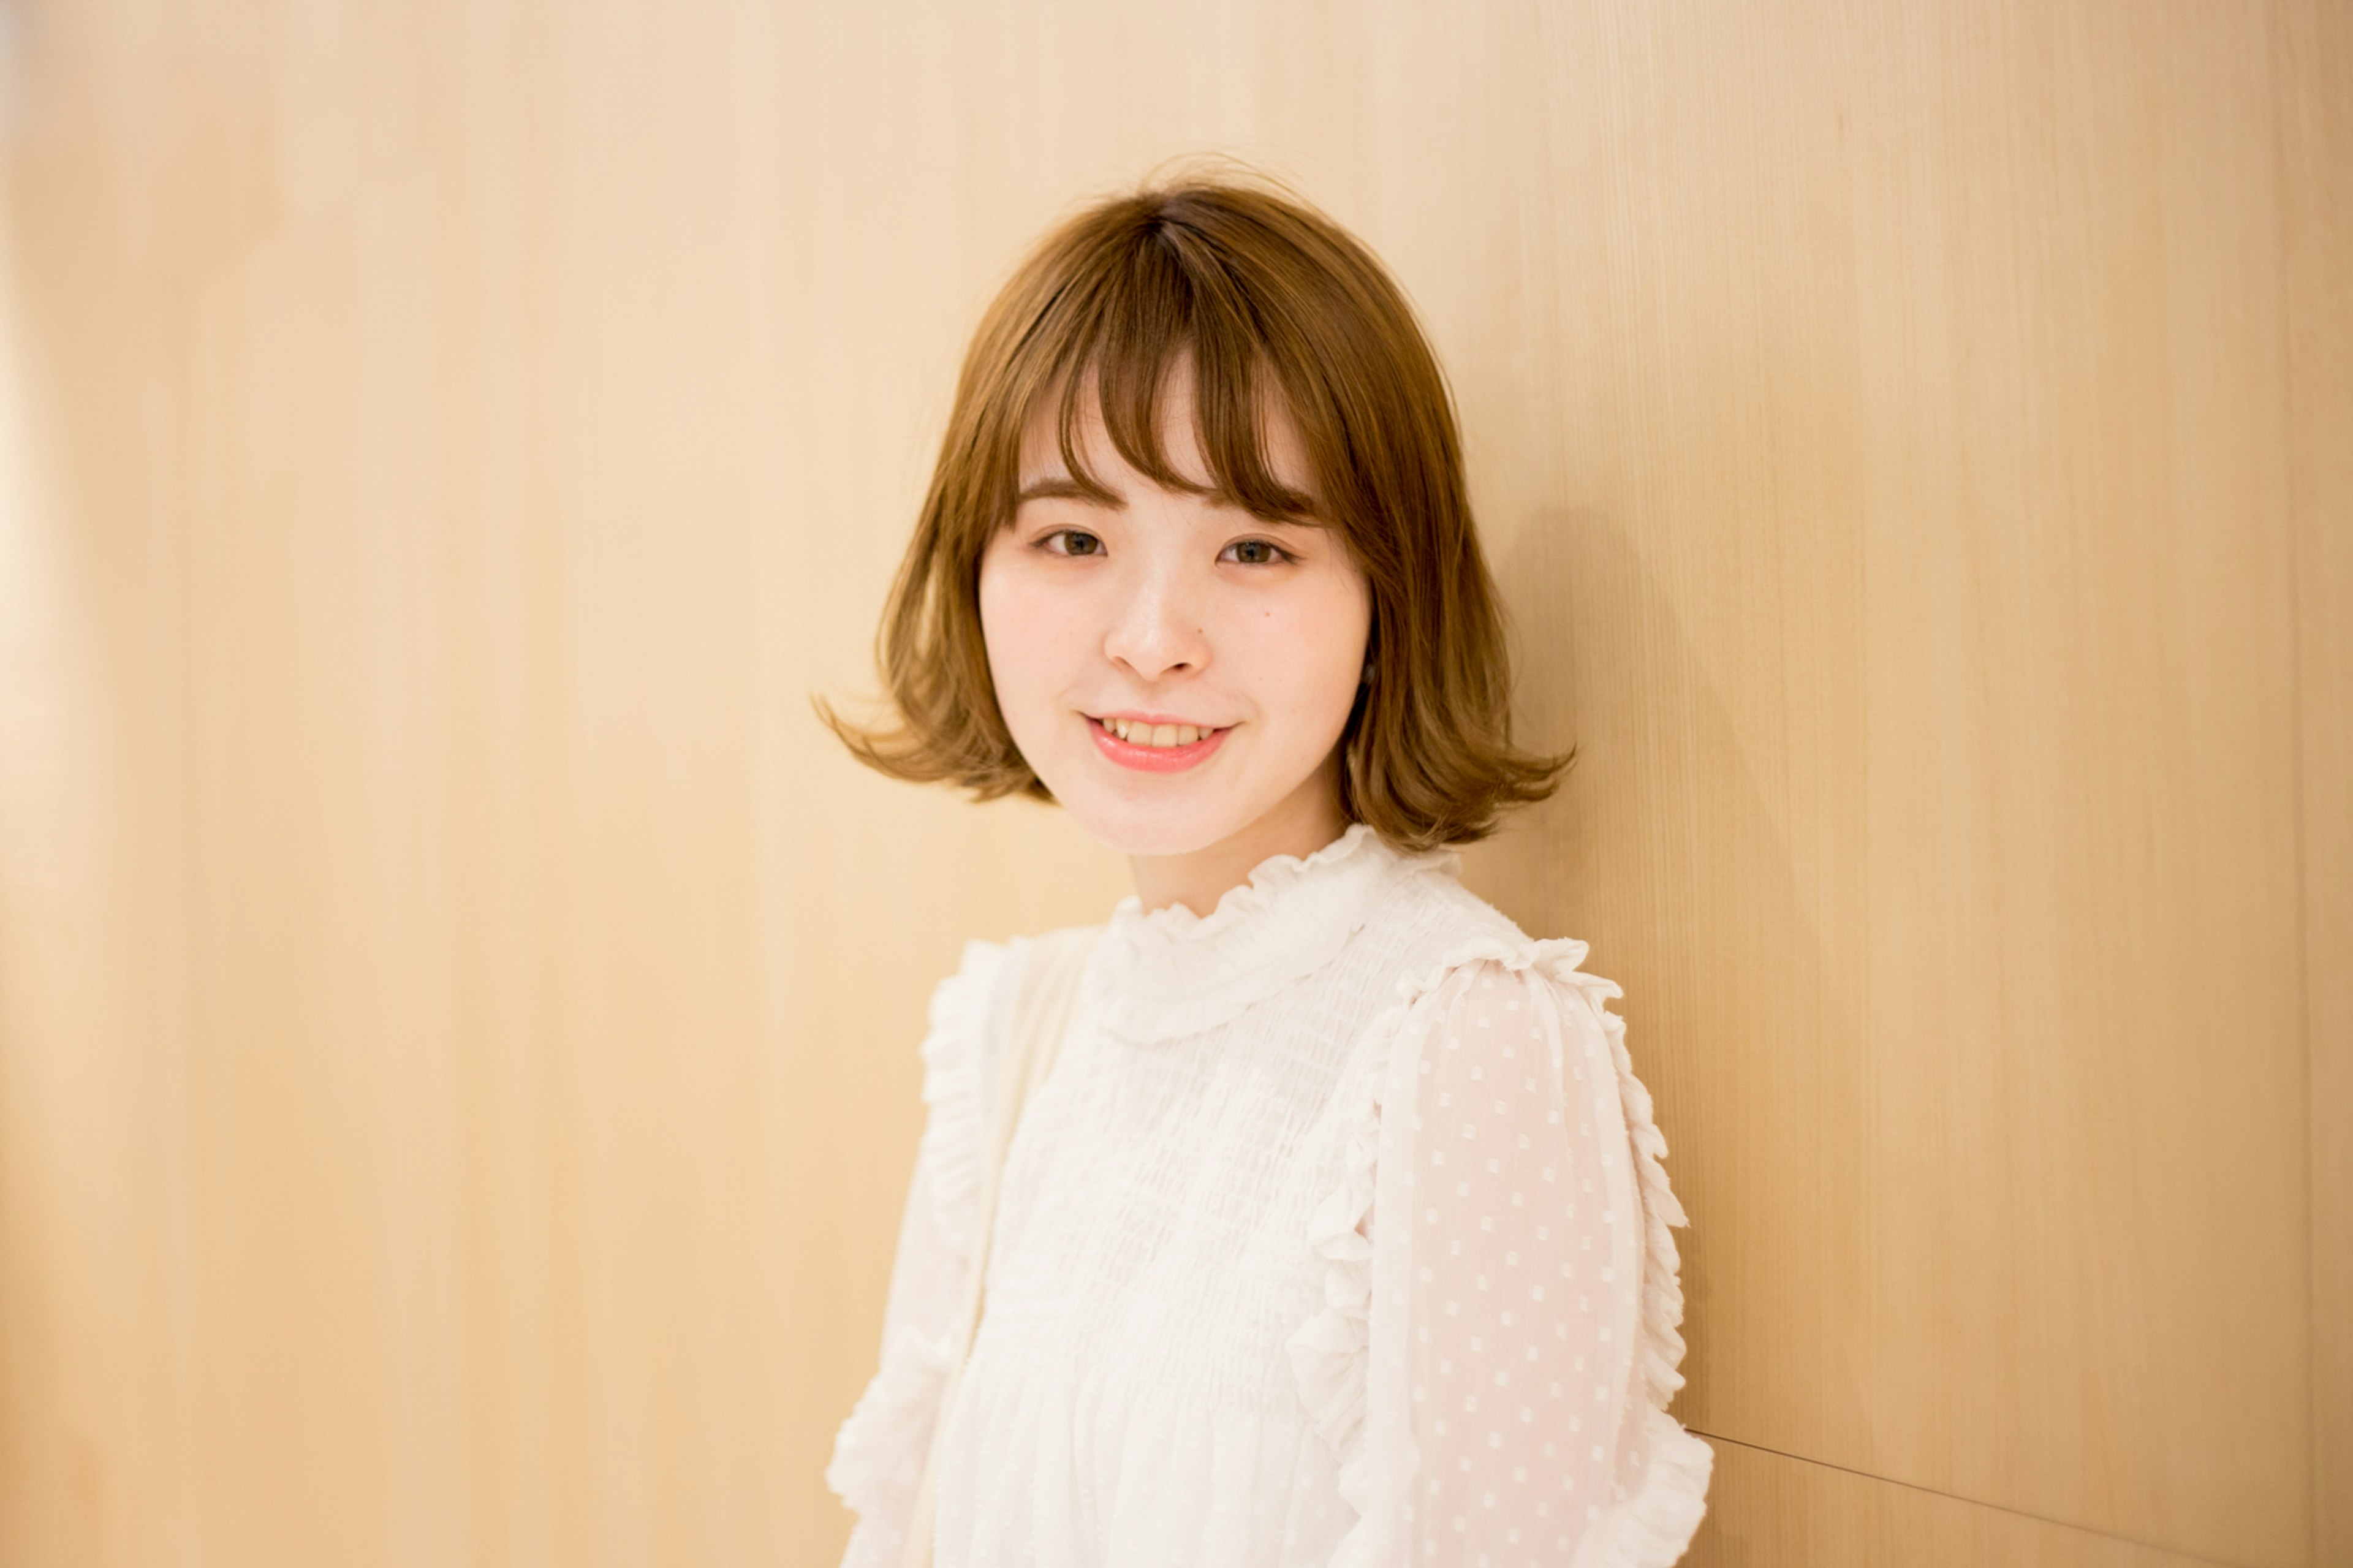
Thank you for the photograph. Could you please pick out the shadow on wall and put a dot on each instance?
(1663, 851)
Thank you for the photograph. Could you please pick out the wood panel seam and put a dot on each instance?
(1957, 1496)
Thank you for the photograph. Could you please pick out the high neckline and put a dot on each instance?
(1168, 972)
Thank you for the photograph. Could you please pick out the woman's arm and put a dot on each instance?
(1518, 1349)
(1522, 1264)
(879, 1453)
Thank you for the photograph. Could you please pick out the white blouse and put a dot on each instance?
(1336, 1235)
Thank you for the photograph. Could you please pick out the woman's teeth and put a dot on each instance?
(1137, 734)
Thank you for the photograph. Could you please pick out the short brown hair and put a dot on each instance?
(1268, 297)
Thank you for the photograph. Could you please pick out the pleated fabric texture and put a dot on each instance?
(1338, 1235)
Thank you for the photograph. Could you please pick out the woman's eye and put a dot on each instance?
(1254, 552)
(1073, 541)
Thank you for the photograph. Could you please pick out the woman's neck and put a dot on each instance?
(1299, 824)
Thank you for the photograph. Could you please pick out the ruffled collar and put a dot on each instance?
(1170, 972)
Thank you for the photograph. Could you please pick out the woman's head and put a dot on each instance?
(1203, 468)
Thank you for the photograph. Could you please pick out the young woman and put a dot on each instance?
(1335, 1232)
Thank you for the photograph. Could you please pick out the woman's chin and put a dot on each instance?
(1173, 827)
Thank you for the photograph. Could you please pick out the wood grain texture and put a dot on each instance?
(1915, 532)
(457, 1011)
(2315, 66)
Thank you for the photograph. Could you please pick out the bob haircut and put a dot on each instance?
(1269, 300)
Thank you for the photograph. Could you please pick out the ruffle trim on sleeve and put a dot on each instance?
(1331, 1351)
(1328, 1352)
(877, 1455)
(879, 1452)
(1654, 1528)
(956, 1089)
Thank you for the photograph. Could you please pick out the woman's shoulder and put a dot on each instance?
(1435, 928)
(985, 965)
(972, 1004)
(961, 999)
(971, 1012)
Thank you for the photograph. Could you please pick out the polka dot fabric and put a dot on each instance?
(1524, 1220)
(1338, 1235)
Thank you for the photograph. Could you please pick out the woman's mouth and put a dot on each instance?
(1147, 745)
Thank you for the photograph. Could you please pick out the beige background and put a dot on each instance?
(457, 1011)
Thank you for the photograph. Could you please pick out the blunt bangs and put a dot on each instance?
(1164, 301)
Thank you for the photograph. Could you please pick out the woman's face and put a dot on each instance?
(1174, 670)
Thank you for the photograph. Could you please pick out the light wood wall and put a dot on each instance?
(457, 1011)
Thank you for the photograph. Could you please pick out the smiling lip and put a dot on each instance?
(1153, 759)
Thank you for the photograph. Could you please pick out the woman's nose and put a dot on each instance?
(1157, 630)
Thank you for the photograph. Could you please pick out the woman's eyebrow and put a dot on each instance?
(1060, 487)
(1057, 487)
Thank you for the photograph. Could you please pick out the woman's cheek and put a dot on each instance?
(1010, 628)
(1037, 628)
(1327, 648)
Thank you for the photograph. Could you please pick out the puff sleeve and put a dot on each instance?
(1522, 1306)
(878, 1458)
